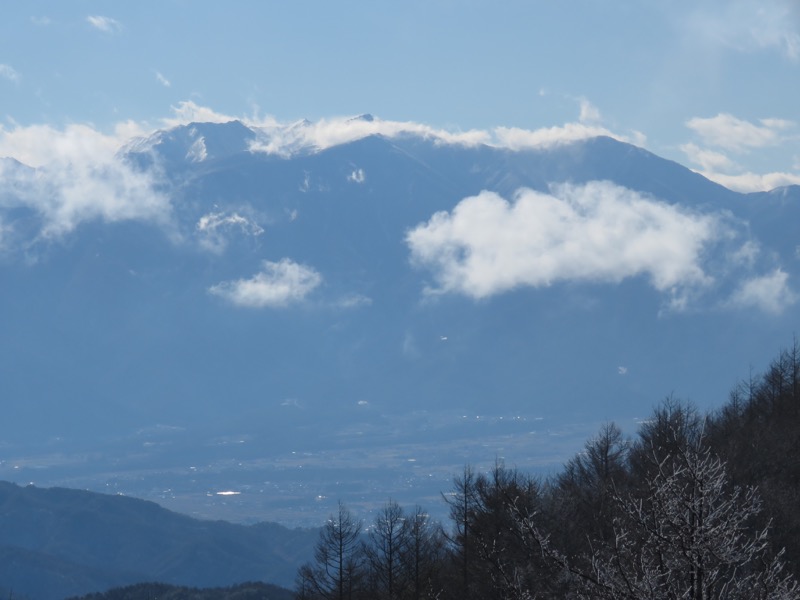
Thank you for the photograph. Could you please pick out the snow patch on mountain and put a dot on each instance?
(197, 151)
(215, 228)
(357, 176)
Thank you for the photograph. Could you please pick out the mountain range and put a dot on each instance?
(241, 324)
(58, 543)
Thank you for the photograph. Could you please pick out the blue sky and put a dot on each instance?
(712, 84)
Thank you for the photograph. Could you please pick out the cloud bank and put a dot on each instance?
(598, 232)
(277, 285)
(78, 175)
(285, 139)
(73, 175)
(724, 135)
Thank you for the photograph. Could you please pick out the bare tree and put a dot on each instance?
(462, 502)
(422, 556)
(684, 531)
(688, 536)
(337, 569)
(383, 553)
(582, 494)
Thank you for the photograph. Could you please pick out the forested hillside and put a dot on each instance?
(57, 542)
(694, 506)
(162, 591)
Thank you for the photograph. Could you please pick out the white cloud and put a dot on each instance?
(769, 293)
(589, 112)
(746, 254)
(749, 25)
(215, 229)
(708, 160)
(753, 182)
(596, 232)
(8, 72)
(354, 301)
(277, 285)
(286, 140)
(357, 176)
(104, 24)
(162, 80)
(727, 131)
(277, 138)
(515, 138)
(41, 145)
(186, 112)
(738, 136)
(77, 178)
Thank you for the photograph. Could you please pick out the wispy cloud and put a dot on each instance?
(8, 72)
(214, 229)
(752, 182)
(277, 285)
(749, 25)
(104, 24)
(769, 293)
(515, 138)
(589, 112)
(729, 132)
(283, 139)
(357, 176)
(162, 80)
(354, 301)
(186, 112)
(288, 138)
(708, 160)
(76, 177)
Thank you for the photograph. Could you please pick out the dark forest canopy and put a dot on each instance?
(694, 506)
(163, 591)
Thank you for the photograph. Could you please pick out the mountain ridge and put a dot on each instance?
(329, 316)
(60, 542)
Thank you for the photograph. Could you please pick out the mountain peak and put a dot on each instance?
(366, 117)
(194, 142)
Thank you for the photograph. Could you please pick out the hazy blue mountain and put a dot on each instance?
(59, 542)
(126, 364)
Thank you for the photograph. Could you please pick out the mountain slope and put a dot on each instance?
(60, 542)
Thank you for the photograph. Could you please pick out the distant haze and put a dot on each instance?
(253, 321)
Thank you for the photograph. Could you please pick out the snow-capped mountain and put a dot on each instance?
(256, 309)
